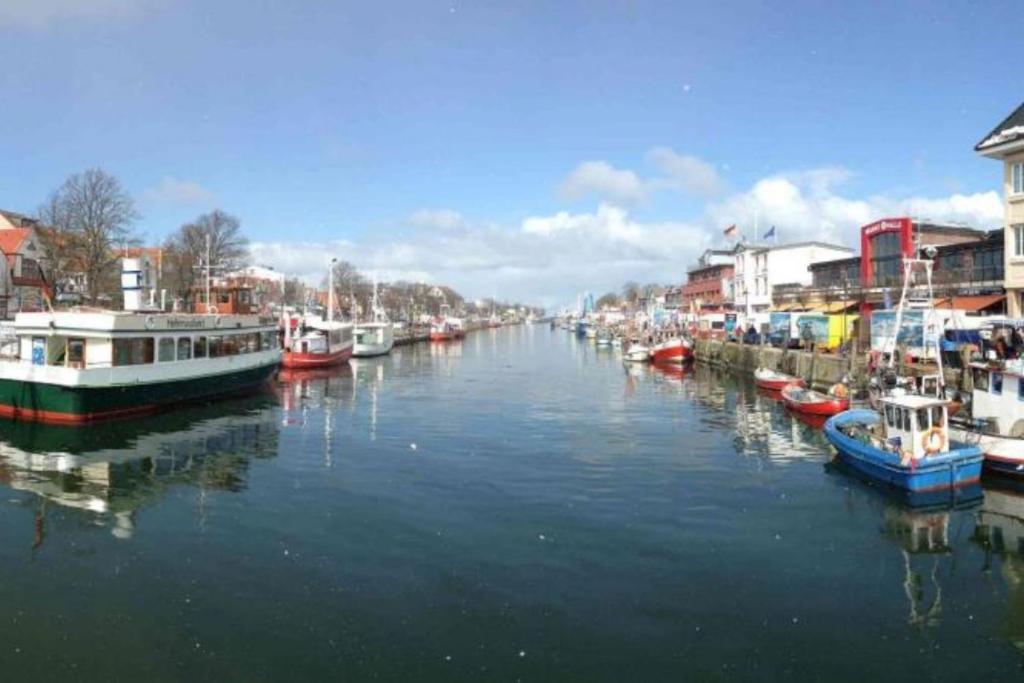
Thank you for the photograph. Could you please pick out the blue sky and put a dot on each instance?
(445, 140)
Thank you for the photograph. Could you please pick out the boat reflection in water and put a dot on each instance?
(109, 474)
(999, 530)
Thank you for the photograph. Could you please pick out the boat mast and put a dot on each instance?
(207, 272)
(330, 291)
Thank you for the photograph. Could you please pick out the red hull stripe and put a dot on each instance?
(54, 417)
(315, 360)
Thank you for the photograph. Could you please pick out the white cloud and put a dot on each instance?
(605, 181)
(548, 258)
(37, 14)
(680, 173)
(176, 191)
(686, 174)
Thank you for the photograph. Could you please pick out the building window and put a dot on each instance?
(1018, 240)
(1017, 178)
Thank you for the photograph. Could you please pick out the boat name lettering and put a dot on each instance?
(177, 323)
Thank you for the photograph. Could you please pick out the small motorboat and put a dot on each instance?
(604, 338)
(810, 402)
(637, 353)
(617, 343)
(674, 350)
(904, 444)
(773, 380)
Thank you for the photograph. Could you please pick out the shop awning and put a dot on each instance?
(971, 304)
(837, 307)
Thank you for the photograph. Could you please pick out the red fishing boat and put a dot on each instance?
(810, 402)
(316, 343)
(675, 350)
(441, 330)
(772, 380)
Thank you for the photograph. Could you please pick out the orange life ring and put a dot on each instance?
(928, 441)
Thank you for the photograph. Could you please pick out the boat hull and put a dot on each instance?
(295, 360)
(371, 350)
(441, 336)
(1004, 455)
(76, 405)
(826, 406)
(959, 467)
(778, 384)
(671, 353)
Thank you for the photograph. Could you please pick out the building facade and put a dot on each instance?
(709, 283)
(1006, 143)
(759, 269)
(23, 284)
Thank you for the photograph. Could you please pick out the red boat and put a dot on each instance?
(316, 343)
(441, 330)
(676, 350)
(810, 402)
(775, 381)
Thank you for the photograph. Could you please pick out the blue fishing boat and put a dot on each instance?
(904, 444)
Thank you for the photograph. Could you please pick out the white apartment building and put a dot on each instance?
(1006, 143)
(759, 267)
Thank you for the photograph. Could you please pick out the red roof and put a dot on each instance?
(12, 238)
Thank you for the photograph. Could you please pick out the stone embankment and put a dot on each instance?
(820, 369)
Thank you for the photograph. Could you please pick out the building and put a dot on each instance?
(968, 264)
(885, 243)
(1006, 143)
(759, 269)
(23, 284)
(709, 283)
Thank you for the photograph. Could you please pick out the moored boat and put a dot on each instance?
(674, 350)
(637, 353)
(86, 365)
(905, 444)
(375, 337)
(312, 342)
(810, 402)
(773, 380)
(994, 417)
(441, 330)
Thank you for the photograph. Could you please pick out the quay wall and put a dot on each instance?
(822, 370)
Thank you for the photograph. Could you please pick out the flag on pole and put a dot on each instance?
(730, 232)
(770, 233)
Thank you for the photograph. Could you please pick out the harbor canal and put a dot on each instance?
(515, 506)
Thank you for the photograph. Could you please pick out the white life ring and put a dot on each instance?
(150, 322)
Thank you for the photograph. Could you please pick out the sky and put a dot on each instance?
(525, 150)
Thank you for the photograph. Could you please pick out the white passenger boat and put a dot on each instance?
(85, 364)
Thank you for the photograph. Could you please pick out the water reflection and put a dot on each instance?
(999, 530)
(110, 472)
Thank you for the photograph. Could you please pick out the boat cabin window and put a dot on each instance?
(269, 341)
(889, 412)
(199, 347)
(165, 350)
(996, 385)
(184, 348)
(906, 419)
(981, 379)
(216, 346)
(132, 351)
(937, 420)
(76, 352)
(922, 419)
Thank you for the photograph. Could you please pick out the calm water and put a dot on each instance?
(517, 506)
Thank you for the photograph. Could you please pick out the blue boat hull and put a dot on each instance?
(959, 467)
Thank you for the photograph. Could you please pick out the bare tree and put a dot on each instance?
(611, 299)
(90, 217)
(185, 250)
